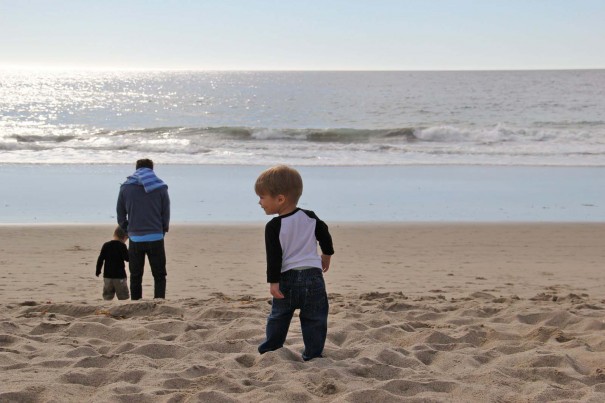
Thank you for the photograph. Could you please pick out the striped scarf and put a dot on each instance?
(146, 178)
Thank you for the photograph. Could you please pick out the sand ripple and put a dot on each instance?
(382, 347)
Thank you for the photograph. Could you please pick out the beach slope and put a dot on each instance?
(419, 312)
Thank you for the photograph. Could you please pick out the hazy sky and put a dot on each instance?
(304, 34)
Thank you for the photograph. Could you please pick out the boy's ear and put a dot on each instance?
(281, 198)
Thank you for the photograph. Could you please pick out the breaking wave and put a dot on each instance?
(498, 144)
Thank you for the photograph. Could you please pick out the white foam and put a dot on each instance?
(304, 119)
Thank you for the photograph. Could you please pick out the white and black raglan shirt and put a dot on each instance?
(291, 242)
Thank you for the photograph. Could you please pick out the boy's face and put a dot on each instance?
(271, 204)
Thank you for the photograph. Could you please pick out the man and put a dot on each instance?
(144, 212)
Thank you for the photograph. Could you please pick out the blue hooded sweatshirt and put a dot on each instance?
(143, 206)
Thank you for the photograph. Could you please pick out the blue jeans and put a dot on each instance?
(304, 290)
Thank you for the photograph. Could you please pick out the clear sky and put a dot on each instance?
(303, 34)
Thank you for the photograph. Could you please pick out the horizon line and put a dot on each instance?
(243, 70)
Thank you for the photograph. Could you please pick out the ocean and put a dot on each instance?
(532, 118)
(372, 146)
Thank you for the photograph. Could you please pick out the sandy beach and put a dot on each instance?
(419, 312)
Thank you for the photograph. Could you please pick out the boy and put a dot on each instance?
(294, 269)
(114, 253)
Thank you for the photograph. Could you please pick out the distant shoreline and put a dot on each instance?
(79, 193)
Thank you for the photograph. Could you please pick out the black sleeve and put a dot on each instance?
(124, 253)
(323, 237)
(274, 251)
(100, 260)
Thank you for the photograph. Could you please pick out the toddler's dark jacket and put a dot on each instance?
(113, 253)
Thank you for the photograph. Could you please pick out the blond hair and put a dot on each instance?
(280, 180)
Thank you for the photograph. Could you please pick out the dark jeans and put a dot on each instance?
(304, 290)
(157, 260)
